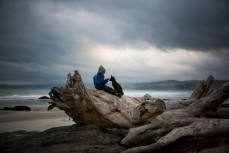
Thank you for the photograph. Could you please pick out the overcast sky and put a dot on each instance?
(135, 40)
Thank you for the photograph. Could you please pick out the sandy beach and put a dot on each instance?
(39, 119)
(40, 130)
(53, 131)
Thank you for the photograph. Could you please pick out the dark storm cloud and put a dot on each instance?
(196, 25)
(41, 41)
(33, 48)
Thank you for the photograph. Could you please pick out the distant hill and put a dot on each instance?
(161, 85)
(169, 85)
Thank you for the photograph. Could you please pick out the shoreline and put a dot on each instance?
(39, 119)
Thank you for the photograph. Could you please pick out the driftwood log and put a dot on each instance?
(153, 124)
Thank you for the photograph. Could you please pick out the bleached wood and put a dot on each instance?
(91, 106)
(147, 117)
(201, 128)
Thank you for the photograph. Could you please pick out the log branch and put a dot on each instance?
(203, 88)
(174, 118)
(196, 129)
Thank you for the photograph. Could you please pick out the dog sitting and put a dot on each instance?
(117, 87)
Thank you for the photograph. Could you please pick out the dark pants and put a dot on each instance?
(107, 89)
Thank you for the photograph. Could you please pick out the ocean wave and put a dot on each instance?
(21, 97)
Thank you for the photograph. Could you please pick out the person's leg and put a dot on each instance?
(108, 89)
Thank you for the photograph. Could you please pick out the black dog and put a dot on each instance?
(117, 87)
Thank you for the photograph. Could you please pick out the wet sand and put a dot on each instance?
(39, 119)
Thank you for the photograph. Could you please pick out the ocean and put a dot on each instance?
(10, 97)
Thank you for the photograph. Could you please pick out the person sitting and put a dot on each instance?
(100, 82)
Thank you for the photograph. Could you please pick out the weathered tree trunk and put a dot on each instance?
(188, 120)
(147, 117)
(208, 128)
(92, 106)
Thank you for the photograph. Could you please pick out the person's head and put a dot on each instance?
(102, 70)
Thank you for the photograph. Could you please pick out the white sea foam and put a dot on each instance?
(21, 97)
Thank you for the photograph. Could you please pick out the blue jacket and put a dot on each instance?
(99, 80)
